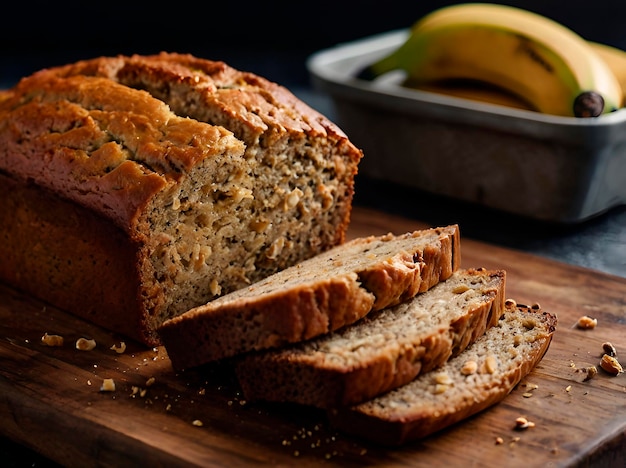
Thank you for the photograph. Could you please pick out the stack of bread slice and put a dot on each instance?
(387, 334)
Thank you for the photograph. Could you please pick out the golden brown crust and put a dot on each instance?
(420, 408)
(98, 143)
(317, 296)
(57, 246)
(257, 102)
(214, 178)
(381, 352)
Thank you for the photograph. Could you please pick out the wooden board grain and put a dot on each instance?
(50, 398)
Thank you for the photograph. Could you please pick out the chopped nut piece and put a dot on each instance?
(197, 423)
(83, 344)
(523, 423)
(527, 394)
(119, 349)
(215, 287)
(150, 381)
(591, 373)
(587, 323)
(460, 289)
(609, 349)
(108, 385)
(490, 365)
(470, 367)
(611, 365)
(443, 378)
(440, 388)
(52, 340)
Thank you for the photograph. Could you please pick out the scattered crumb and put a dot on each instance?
(611, 365)
(119, 349)
(587, 323)
(499, 440)
(522, 423)
(568, 388)
(83, 344)
(108, 385)
(609, 349)
(591, 372)
(52, 340)
(197, 423)
(529, 389)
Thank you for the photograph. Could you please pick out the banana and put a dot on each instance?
(616, 60)
(474, 92)
(544, 63)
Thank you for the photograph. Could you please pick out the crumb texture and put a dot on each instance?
(474, 380)
(215, 177)
(382, 351)
(314, 297)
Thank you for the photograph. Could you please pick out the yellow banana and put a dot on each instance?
(473, 91)
(538, 59)
(616, 60)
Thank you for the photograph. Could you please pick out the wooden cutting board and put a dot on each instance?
(50, 398)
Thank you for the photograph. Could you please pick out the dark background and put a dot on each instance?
(274, 39)
(270, 38)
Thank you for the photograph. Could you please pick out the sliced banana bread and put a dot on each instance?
(479, 377)
(384, 350)
(314, 297)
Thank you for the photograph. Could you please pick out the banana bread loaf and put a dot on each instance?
(479, 377)
(384, 350)
(133, 188)
(315, 297)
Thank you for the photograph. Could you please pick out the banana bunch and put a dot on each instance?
(539, 63)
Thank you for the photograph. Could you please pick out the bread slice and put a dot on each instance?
(316, 296)
(381, 352)
(435, 400)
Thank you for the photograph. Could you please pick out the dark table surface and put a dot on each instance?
(278, 52)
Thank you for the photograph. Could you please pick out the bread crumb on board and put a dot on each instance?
(52, 340)
(611, 365)
(108, 385)
(609, 349)
(522, 423)
(587, 323)
(84, 344)
(119, 349)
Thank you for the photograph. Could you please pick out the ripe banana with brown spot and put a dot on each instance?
(544, 63)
